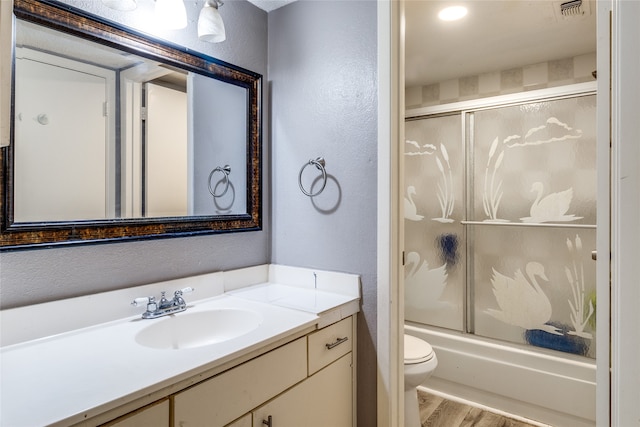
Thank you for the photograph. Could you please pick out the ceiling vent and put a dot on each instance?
(572, 9)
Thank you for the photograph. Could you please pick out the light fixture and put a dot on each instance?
(452, 13)
(171, 14)
(123, 5)
(210, 25)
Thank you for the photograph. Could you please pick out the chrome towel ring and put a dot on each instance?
(319, 164)
(226, 170)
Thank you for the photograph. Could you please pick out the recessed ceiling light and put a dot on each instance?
(452, 13)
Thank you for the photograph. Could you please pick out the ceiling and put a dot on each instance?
(270, 5)
(495, 35)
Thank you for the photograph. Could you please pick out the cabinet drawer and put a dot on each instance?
(330, 343)
(223, 398)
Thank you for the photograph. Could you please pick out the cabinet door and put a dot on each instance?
(323, 400)
(156, 415)
(225, 397)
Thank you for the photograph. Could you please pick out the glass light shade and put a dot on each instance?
(210, 25)
(171, 14)
(124, 5)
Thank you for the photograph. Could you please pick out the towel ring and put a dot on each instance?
(226, 170)
(320, 164)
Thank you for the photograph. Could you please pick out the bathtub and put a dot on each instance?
(548, 387)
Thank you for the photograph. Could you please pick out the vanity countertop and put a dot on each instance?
(64, 378)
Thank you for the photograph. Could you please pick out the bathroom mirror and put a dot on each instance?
(115, 135)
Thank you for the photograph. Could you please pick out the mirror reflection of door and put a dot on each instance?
(165, 152)
(62, 133)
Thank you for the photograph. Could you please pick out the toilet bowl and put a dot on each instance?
(419, 363)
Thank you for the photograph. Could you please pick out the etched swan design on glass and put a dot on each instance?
(424, 286)
(578, 305)
(522, 302)
(410, 210)
(551, 208)
(446, 197)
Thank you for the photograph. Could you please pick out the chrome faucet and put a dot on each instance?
(163, 307)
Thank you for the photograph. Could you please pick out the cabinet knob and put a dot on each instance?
(268, 421)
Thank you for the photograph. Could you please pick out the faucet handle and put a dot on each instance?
(142, 300)
(186, 290)
(163, 299)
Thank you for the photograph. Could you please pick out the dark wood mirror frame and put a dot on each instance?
(70, 20)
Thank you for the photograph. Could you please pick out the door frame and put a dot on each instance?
(390, 310)
(603, 237)
(615, 395)
(625, 205)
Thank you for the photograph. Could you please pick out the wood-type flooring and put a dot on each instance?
(436, 411)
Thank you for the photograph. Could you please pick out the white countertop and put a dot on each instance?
(57, 380)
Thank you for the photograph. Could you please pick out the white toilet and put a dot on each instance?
(419, 363)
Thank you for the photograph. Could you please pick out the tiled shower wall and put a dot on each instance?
(577, 69)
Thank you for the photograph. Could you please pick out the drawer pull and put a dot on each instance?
(267, 421)
(337, 343)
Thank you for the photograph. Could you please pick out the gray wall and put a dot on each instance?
(323, 84)
(323, 77)
(28, 277)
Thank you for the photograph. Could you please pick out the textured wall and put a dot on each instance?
(323, 85)
(28, 277)
(322, 72)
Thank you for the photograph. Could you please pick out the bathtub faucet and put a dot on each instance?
(163, 307)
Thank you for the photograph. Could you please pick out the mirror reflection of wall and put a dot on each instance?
(219, 123)
(103, 134)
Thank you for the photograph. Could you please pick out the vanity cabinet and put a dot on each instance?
(154, 415)
(242, 422)
(308, 382)
(227, 396)
(322, 400)
(297, 361)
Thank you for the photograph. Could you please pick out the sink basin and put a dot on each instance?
(191, 330)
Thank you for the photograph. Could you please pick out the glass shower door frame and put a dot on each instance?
(466, 109)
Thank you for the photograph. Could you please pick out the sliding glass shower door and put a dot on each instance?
(500, 214)
(435, 255)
